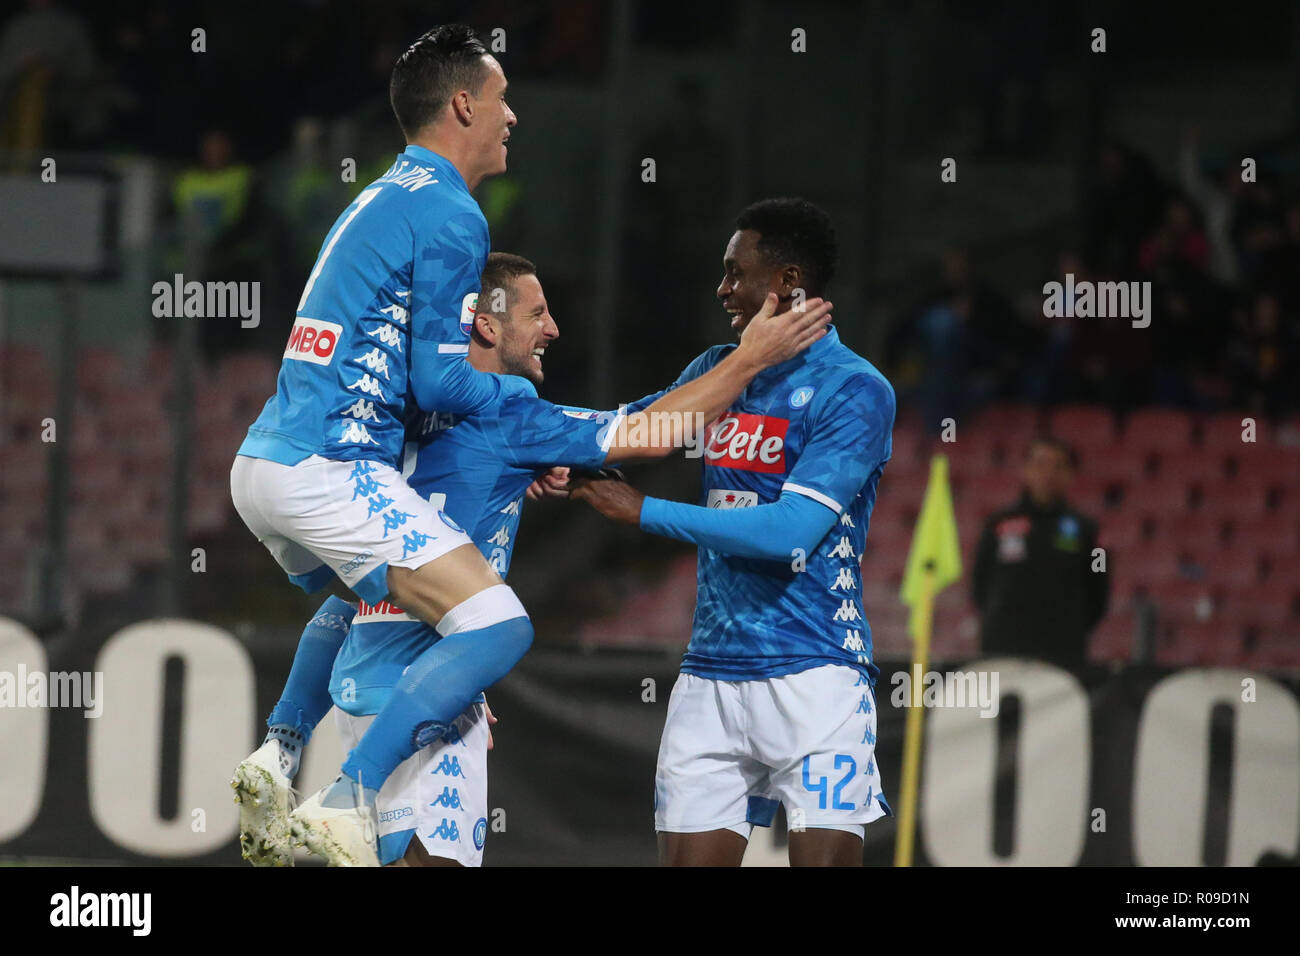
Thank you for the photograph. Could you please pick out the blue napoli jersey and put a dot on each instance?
(402, 263)
(819, 425)
(476, 471)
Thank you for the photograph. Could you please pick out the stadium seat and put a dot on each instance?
(1153, 563)
(1230, 567)
(1157, 430)
(1239, 499)
(1197, 532)
(1195, 643)
(1120, 467)
(1086, 426)
(1266, 535)
(1183, 601)
(1159, 497)
(1257, 604)
(1223, 432)
(989, 492)
(1192, 466)
(1113, 638)
(1272, 647)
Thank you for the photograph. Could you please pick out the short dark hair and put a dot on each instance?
(502, 269)
(795, 232)
(1060, 444)
(445, 60)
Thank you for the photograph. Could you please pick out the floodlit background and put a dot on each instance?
(120, 551)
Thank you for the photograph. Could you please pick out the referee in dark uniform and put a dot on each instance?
(1033, 582)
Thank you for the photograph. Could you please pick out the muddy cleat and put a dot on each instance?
(338, 824)
(265, 798)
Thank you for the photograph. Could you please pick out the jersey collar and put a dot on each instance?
(429, 158)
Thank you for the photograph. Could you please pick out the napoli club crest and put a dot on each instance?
(801, 396)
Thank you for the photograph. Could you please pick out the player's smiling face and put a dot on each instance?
(528, 332)
(747, 278)
(494, 117)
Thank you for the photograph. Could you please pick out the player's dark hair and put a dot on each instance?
(795, 232)
(1060, 444)
(445, 60)
(501, 271)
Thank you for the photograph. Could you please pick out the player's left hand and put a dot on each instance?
(553, 484)
(610, 496)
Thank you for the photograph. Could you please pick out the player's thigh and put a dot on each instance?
(703, 777)
(816, 731)
(826, 846)
(434, 588)
(725, 847)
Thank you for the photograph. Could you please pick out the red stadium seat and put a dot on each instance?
(1157, 430)
(1267, 535)
(1155, 563)
(1120, 467)
(1223, 432)
(1007, 420)
(1184, 601)
(1160, 497)
(1231, 567)
(1113, 638)
(1197, 532)
(1258, 604)
(1086, 426)
(1193, 466)
(1195, 643)
(1239, 499)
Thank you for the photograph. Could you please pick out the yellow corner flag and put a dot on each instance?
(933, 563)
(934, 545)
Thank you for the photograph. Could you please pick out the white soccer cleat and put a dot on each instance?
(265, 798)
(343, 836)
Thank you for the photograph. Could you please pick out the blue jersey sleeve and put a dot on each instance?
(772, 532)
(538, 434)
(851, 436)
(445, 278)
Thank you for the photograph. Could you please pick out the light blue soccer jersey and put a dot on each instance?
(819, 425)
(476, 470)
(384, 320)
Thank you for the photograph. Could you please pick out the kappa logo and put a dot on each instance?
(468, 306)
(749, 442)
(313, 340)
(356, 562)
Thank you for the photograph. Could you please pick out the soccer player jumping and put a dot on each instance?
(775, 701)
(381, 333)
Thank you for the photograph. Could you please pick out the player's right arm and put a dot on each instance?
(445, 274)
(678, 414)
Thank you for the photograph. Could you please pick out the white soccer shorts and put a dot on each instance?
(321, 518)
(732, 750)
(438, 795)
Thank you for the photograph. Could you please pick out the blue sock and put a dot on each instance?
(433, 692)
(306, 696)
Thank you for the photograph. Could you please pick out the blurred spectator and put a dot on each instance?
(1217, 204)
(970, 342)
(1033, 581)
(1126, 200)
